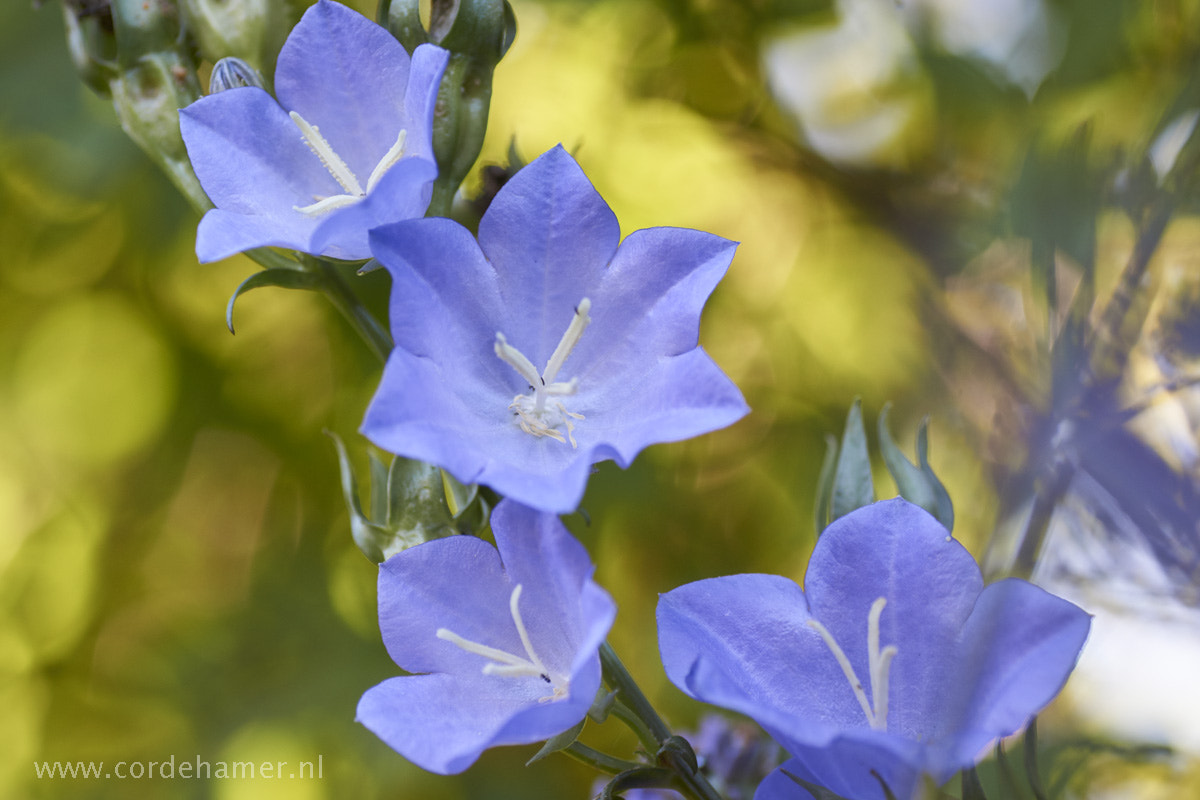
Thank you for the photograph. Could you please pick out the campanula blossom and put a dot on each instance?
(504, 640)
(346, 147)
(548, 345)
(893, 659)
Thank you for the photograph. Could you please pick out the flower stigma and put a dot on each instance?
(879, 664)
(340, 171)
(506, 664)
(541, 413)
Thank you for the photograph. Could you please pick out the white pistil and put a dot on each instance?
(331, 160)
(505, 664)
(339, 169)
(879, 663)
(534, 414)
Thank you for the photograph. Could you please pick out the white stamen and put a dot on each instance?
(517, 360)
(847, 669)
(567, 343)
(340, 171)
(332, 161)
(327, 204)
(388, 161)
(879, 664)
(533, 415)
(505, 664)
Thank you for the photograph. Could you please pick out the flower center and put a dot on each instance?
(340, 172)
(542, 412)
(505, 664)
(879, 663)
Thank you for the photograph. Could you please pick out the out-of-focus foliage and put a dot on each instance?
(177, 574)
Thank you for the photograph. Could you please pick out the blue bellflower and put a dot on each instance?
(506, 640)
(347, 147)
(895, 658)
(523, 359)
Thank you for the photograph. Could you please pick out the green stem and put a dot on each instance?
(649, 726)
(347, 303)
(601, 762)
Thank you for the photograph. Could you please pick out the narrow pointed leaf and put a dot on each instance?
(972, 789)
(1031, 765)
(944, 507)
(825, 483)
(279, 276)
(852, 484)
(911, 481)
(641, 778)
(559, 742)
(367, 536)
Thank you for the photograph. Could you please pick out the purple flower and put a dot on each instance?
(894, 658)
(347, 146)
(523, 359)
(506, 640)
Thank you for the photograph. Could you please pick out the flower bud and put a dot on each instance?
(233, 73)
(251, 30)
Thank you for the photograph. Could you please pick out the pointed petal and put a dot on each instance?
(420, 98)
(676, 399)
(1018, 648)
(896, 550)
(742, 642)
(421, 590)
(222, 233)
(554, 568)
(550, 235)
(346, 75)
(648, 301)
(442, 723)
(249, 156)
(403, 192)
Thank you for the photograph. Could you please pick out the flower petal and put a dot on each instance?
(742, 642)
(679, 398)
(549, 235)
(896, 550)
(442, 723)
(1018, 647)
(420, 98)
(348, 76)
(403, 192)
(647, 303)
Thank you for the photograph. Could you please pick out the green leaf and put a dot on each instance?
(275, 276)
(852, 485)
(944, 507)
(825, 483)
(558, 742)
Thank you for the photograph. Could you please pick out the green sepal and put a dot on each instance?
(945, 508)
(1032, 773)
(558, 742)
(677, 755)
(916, 484)
(275, 276)
(403, 19)
(602, 705)
(972, 789)
(368, 536)
(852, 484)
(639, 778)
(825, 483)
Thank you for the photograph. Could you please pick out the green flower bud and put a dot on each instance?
(233, 73)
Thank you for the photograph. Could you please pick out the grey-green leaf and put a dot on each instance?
(852, 484)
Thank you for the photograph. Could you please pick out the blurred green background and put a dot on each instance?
(176, 571)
